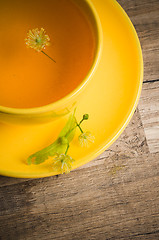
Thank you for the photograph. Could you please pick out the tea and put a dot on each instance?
(29, 78)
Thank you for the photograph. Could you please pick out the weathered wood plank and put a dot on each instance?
(149, 110)
(6, 181)
(145, 17)
(90, 203)
(136, 8)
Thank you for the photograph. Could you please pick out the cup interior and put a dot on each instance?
(90, 12)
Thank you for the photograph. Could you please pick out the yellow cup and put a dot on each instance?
(68, 103)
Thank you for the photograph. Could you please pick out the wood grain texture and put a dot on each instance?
(149, 110)
(144, 15)
(114, 197)
(104, 206)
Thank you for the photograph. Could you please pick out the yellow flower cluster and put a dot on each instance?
(37, 39)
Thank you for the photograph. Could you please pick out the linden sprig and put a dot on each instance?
(57, 151)
(38, 40)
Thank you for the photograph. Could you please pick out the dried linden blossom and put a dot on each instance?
(63, 163)
(37, 39)
(85, 139)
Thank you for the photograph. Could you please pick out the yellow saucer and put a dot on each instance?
(110, 101)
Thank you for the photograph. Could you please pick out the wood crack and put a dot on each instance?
(151, 81)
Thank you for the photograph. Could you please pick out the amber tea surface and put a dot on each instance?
(28, 78)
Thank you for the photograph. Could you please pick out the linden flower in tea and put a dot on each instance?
(38, 40)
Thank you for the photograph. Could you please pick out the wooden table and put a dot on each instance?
(116, 196)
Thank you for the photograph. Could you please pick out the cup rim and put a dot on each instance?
(55, 105)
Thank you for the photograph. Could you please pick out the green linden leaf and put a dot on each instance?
(69, 129)
(57, 147)
(44, 154)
